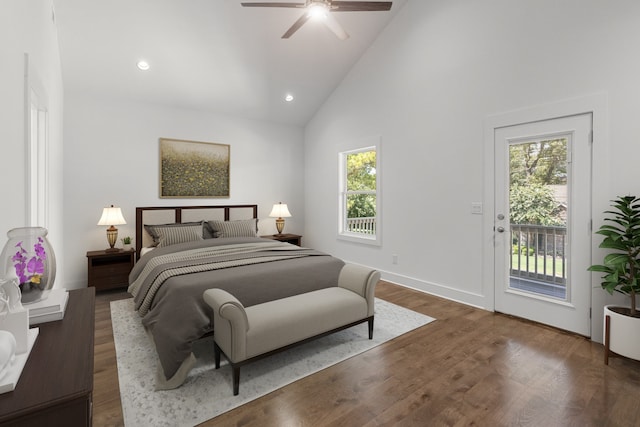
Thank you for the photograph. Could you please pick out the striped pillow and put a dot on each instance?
(153, 229)
(174, 235)
(239, 228)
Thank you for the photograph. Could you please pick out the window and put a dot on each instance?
(359, 196)
(37, 142)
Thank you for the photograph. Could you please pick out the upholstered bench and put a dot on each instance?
(246, 334)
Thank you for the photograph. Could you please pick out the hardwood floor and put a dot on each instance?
(468, 368)
(107, 410)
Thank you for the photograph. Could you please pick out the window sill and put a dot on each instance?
(360, 238)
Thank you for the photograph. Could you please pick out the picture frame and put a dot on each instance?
(194, 169)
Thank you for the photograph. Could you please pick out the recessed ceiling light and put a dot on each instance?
(143, 65)
(288, 97)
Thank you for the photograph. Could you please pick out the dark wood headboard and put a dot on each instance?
(173, 214)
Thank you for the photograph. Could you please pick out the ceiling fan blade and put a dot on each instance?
(273, 4)
(296, 26)
(335, 27)
(360, 6)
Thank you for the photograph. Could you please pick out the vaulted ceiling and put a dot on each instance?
(212, 55)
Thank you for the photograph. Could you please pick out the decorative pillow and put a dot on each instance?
(154, 229)
(174, 235)
(239, 228)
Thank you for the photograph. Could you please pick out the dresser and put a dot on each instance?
(56, 385)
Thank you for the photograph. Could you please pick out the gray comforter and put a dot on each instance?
(168, 294)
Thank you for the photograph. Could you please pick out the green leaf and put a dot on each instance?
(621, 232)
(600, 268)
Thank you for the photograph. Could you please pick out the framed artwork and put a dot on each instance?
(192, 169)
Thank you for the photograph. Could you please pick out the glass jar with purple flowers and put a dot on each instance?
(29, 258)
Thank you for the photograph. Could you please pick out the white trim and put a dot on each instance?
(450, 293)
(471, 299)
(597, 105)
(36, 141)
(367, 144)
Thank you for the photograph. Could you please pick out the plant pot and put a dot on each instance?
(621, 334)
(126, 246)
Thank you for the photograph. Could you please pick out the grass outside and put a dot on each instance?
(539, 262)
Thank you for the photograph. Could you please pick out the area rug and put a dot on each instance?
(207, 392)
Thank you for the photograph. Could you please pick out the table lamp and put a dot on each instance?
(112, 216)
(280, 211)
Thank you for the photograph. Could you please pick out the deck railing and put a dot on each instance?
(366, 225)
(538, 253)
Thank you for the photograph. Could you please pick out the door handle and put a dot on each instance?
(500, 229)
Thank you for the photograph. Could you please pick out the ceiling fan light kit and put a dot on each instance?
(318, 11)
(324, 9)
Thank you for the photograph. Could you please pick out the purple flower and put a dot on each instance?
(20, 271)
(35, 266)
(32, 270)
(40, 253)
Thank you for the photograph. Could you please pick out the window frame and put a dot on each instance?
(343, 193)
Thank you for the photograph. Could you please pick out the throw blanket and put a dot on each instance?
(163, 267)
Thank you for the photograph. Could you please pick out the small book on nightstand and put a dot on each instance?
(50, 309)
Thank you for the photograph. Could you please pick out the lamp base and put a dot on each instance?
(112, 238)
(280, 225)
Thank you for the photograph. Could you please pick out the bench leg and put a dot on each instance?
(216, 354)
(236, 380)
(236, 369)
(371, 328)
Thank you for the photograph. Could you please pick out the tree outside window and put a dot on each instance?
(536, 168)
(359, 194)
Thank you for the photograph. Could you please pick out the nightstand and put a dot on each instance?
(294, 239)
(109, 270)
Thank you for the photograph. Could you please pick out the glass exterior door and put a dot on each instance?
(538, 206)
(542, 235)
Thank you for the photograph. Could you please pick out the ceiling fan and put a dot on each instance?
(322, 9)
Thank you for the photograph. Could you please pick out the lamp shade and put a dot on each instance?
(280, 210)
(111, 216)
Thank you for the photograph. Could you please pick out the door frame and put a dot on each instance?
(596, 105)
(570, 312)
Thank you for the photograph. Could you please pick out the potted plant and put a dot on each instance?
(126, 243)
(621, 269)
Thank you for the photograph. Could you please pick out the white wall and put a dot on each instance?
(426, 87)
(27, 27)
(112, 157)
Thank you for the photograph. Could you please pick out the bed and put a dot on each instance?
(189, 249)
